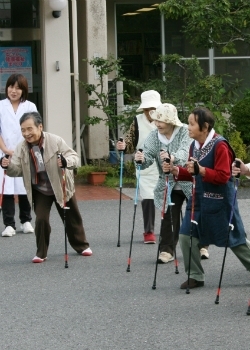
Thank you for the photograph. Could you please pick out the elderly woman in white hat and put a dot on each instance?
(142, 125)
(169, 139)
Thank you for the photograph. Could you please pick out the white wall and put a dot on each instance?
(56, 85)
(92, 40)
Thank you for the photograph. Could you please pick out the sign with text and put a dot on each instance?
(15, 60)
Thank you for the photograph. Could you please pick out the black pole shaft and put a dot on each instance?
(174, 246)
(156, 263)
(217, 300)
(131, 240)
(189, 258)
(65, 239)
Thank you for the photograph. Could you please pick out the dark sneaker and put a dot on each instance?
(149, 238)
(192, 284)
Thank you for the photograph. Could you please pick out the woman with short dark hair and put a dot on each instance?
(11, 109)
(210, 161)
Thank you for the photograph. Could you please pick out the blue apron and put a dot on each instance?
(213, 205)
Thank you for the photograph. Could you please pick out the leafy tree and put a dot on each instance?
(212, 23)
(240, 117)
(102, 98)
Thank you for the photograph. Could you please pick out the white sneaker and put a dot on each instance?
(204, 253)
(38, 260)
(87, 252)
(165, 257)
(27, 228)
(8, 232)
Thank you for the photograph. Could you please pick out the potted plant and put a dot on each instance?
(97, 177)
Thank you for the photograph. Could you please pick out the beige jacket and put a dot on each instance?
(52, 145)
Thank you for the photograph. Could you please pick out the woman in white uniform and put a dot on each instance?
(11, 110)
(138, 132)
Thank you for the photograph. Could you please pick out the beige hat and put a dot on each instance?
(166, 113)
(149, 99)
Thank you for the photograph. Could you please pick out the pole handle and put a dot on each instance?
(7, 157)
(139, 161)
(237, 164)
(167, 160)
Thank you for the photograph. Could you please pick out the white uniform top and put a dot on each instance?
(11, 134)
(149, 176)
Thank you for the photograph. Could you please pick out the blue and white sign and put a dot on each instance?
(15, 60)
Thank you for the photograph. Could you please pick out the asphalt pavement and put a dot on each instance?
(96, 305)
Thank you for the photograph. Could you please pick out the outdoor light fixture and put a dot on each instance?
(57, 6)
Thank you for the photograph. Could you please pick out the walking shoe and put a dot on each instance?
(204, 253)
(165, 257)
(8, 232)
(149, 238)
(26, 227)
(87, 252)
(36, 259)
(192, 284)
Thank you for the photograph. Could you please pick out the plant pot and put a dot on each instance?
(97, 178)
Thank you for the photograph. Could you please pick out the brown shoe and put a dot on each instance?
(192, 284)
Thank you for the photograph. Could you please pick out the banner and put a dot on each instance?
(15, 60)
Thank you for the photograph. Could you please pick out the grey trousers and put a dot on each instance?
(148, 211)
(196, 270)
(170, 239)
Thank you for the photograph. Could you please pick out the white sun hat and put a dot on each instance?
(166, 113)
(149, 99)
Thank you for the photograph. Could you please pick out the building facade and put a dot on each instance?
(55, 49)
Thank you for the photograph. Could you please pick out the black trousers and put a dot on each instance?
(170, 239)
(8, 208)
(148, 211)
(74, 224)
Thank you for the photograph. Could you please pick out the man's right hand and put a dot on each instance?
(5, 162)
(121, 145)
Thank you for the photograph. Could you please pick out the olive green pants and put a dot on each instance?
(196, 270)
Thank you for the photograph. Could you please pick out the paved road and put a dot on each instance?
(96, 305)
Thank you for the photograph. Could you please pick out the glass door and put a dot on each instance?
(20, 45)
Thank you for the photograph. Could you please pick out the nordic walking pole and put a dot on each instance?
(231, 227)
(170, 204)
(3, 183)
(64, 214)
(162, 218)
(135, 206)
(120, 202)
(193, 222)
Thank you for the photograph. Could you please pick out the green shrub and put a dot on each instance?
(113, 171)
(241, 118)
(237, 145)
